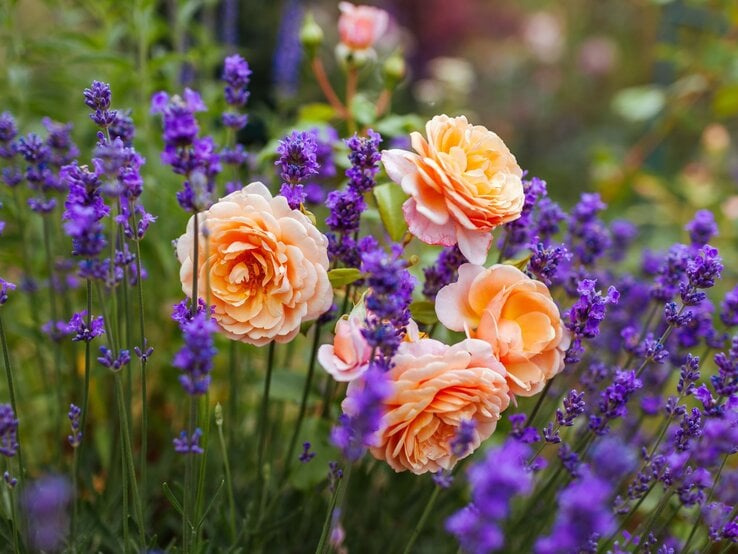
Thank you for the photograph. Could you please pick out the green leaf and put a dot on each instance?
(424, 311)
(395, 125)
(342, 276)
(520, 263)
(639, 103)
(363, 110)
(172, 499)
(389, 199)
(316, 112)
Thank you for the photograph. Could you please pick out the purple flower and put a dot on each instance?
(583, 513)
(569, 460)
(729, 308)
(111, 361)
(364, 157)
(346, 207)
(702, 228)
(97, 98)
(613, 458)
(297, 161)
(123, 128)
(74, 418)
(288, 53)
(521, 432)
(702, 271)
(583, 319)
(78, 326)
(59, 140)
(463, 438)
(544, 261)
(306, 455)
(8, 431)
(518, 232)
(5, 288)
(363, 411)
(623, 234)
(494, 482)
(45, 505)
(236, 74)
(670, 272)
(8, 132)
(188, 445)
(613, 400)
(574, 405)
(443, 272)
(195, 358)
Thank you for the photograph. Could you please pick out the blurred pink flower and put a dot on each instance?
(361, 26)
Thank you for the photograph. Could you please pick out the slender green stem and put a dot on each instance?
(264, 425)
(86, 389)
(75, 506)
(142, 369)
(337, 498)
(539, 403)
(698, 519)
(204, 425)
(233, 383)
(54, 318)
(423, 519)
(227, 469)
(303, 403)
(11, 391)
(128, 459)
(13, 511)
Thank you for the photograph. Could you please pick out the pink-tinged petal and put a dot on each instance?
(452, 301)
(427, 231)
(474, 245)
(398, 163)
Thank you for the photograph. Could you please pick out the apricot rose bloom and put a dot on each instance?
(348, 357)
(463, 182)
(359, 27)
(515, 315)
(265, 263)
(433, 388)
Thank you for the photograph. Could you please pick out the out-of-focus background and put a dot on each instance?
(634, 98)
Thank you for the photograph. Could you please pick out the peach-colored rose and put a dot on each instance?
(361, 26)
(515, 314)
(433, 389)
(463, 182)
(266, 266)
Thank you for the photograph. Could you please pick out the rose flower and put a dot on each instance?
(359, 27)
(463, 182)
(515, 314)
(265, 264)
(433, 389)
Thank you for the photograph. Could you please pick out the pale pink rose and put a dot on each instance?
(515, 315)
(348, 357)
(266, 266)
(433, 388)
(463, 182)
(361, 26)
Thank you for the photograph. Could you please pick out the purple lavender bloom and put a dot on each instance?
(10, 481)
(583, 513)
(236, 74)
(518, 232)
(111, 361)
(8, 431)
(729, 308)
(45, 505)
(463, 438)
(297, 161)
(145, 352)
(494, 482)
(364, 157)
(78, 326)
(702, 271)
(569, 460)
(702, 228)
(123, 128)
(195, 358)
(548, 220)
(544, 261)
(363, 412)
(613, 458)
(346, 207)
(688, 375)
(725, 382)
(583, 319)
(574, 405)
(55, 330)
(5, 288)
(74, 414)
(288, 54)
(522, 432)
(443, 272)
(84, 208)
(59, 140)
(690, 427)
(306, 455)
(188, 445)
(670, 273)
(8, 132)
(613, 401)
(623, 234)
(97, 98)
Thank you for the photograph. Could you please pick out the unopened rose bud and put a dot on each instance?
(394, 69)
(311, 35)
